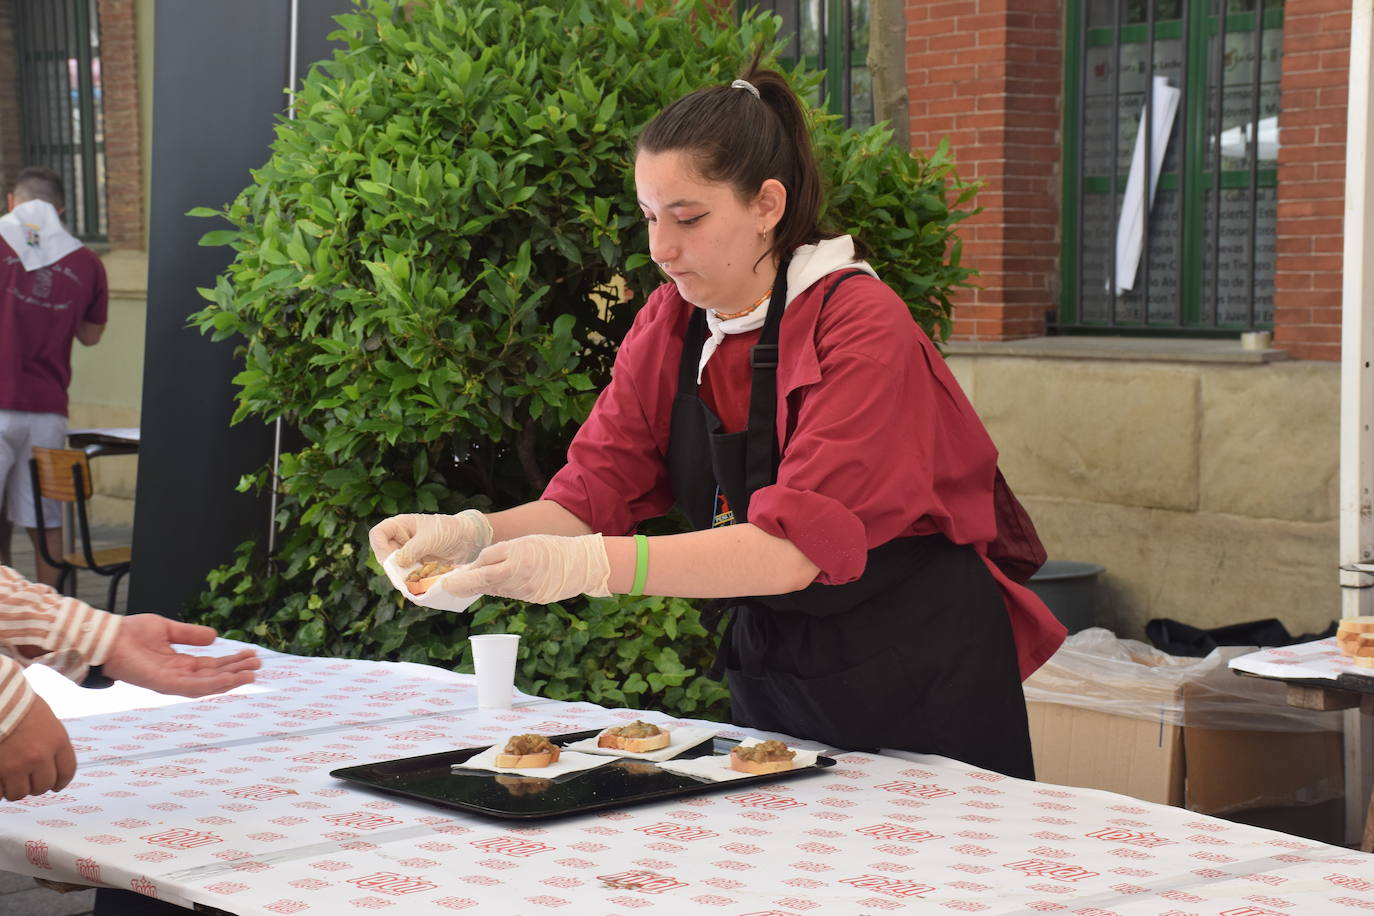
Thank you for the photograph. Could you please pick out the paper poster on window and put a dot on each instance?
(1130, 228)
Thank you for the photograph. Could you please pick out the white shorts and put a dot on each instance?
(20, 431)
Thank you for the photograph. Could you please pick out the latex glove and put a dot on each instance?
(455, 538)
(142, 655)
(37, 756)
(538, 568)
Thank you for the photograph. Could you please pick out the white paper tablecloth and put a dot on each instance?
(1318, 660)
(228, 802)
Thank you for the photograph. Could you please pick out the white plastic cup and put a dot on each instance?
(493, 659)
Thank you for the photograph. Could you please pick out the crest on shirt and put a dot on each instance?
(723, 514)
(32, 236)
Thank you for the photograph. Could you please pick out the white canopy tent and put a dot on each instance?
(1357, 391)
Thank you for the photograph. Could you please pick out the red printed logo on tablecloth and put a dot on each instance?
(898, 832)
(170, 726)
(1349, 882)
(89, 869)
(417, 734)
(227, 887)
(917, 789)
(1045, 868)
(388, 882)
(321, 757)
(1131, 837)
(371, 903)
(363, 820)
(892, 887)
(1249, 911)
(395, 696)
(287, 906)
(672, 831)
(167, 771)
(36, 852)
(765, 800)
(182, 838)
(512, 846)
(143, 886)
(260, 793)
(645, 882)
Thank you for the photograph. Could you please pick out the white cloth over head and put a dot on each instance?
(35, 232)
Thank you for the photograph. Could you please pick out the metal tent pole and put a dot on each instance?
(1357, 392)
(277, 426)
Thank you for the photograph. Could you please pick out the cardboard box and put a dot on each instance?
(1082, 747)
(1115, 715)
(1211, 771)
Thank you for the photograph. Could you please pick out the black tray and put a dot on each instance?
(621, 781)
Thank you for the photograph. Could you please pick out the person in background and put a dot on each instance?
(52, 291)
(37, 625)
(841, 487)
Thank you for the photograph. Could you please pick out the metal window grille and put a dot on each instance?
(1201, 257)
(830, 35)
(61, 102)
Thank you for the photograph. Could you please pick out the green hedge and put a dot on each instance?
(431, 274)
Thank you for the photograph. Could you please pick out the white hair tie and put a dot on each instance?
(745, 84)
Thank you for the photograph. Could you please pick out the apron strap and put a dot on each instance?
(761, 449)
(761, 438)
(692, 342)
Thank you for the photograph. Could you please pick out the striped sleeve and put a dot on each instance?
(16, 696)
(69, 635)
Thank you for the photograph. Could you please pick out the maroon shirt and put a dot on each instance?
(877, 439)
(40, 311)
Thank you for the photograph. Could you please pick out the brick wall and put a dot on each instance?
(123, 163)
(988, 74)
(1309, 235)
(11, 142)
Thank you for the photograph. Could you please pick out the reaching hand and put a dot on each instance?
(538, 568)
(37, 756)
(143, 656)
(455, 538)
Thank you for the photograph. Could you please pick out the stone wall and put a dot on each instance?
(1208, 490)
(107, 384)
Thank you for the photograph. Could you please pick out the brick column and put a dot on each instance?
(123, 158)
(988, 74)
(1309, 235)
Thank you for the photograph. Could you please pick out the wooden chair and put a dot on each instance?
(63, 474)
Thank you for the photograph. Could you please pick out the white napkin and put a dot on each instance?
(437, 597)
(717, 768)
(35, 232)
(809, 263)
(566, 763)
(681, 739)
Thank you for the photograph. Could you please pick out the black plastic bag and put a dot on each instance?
(1181, 639)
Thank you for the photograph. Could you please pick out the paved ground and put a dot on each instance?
(19, 895)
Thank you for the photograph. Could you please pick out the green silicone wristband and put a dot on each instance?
(641, 564)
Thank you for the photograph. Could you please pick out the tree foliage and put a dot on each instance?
(431, 273)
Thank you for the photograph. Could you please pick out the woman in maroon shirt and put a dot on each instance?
(838, 481)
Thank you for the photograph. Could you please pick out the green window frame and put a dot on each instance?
(62, 117)
(829, 35)
(1226, 125)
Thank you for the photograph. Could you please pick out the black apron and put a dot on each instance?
(917, 654)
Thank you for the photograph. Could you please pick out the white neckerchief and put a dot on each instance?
(35, 232)
(809, 264)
